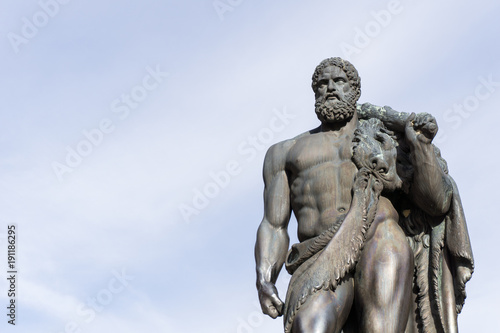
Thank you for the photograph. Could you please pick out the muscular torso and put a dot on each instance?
(320, 174)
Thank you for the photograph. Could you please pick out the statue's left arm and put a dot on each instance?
(431, 188)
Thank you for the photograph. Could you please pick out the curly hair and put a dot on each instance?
(346, 66)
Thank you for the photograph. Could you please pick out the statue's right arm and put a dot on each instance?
(272, 236)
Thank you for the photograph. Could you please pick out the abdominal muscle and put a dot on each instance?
(320, 194)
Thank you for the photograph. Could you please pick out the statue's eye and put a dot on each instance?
(384, 140)
(380, 138)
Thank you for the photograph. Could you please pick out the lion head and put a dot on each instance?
(375, 149)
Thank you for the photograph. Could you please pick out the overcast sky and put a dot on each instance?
(133, 134)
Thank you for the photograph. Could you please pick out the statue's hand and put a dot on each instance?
(422, 127)
(269, 300)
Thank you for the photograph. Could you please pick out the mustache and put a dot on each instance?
(326, 97)
(333, 94)
(337, 102)
(349, 98)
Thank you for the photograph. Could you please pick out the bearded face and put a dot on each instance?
(335, 100)
(334, 110)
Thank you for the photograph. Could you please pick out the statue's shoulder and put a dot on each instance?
(277, 153)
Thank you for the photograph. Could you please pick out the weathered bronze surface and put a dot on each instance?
(383, 245)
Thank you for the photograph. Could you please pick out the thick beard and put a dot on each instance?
(334, 111)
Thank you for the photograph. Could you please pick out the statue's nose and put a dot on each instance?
(378, 163)
(331, 86)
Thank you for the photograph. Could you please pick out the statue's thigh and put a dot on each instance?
(326, 311)
(383, 280)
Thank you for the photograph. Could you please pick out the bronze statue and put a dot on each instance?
(383, 241)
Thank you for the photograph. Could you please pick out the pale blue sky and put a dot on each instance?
(237, 82)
